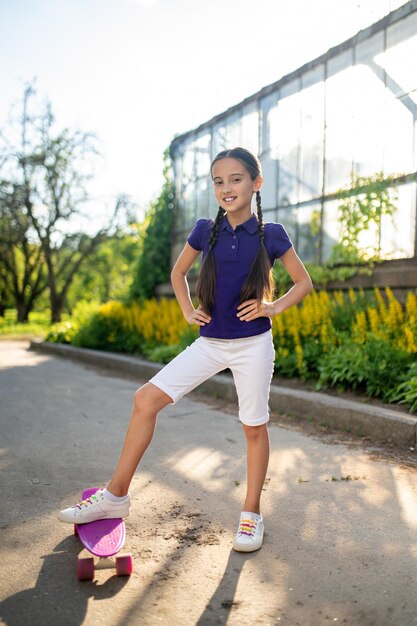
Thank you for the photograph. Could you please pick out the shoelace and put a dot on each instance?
(247, 527)
(87, 501)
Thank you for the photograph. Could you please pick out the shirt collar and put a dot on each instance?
(251, 225)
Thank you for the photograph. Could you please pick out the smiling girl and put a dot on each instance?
(235, 292)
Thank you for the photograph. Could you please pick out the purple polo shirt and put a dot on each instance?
(234, 252)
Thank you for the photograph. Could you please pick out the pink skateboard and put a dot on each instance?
(104, 539)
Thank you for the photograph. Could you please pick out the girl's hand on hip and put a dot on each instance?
(250, 310)
(199, 317)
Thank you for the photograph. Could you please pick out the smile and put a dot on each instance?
(229, 198)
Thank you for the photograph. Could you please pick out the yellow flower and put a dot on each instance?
(360, 327)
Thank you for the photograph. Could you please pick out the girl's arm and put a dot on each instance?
(302, 282)
(250, 310)
(182, 290)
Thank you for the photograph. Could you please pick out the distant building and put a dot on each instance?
(353, 109)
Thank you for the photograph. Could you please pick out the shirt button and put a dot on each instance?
(234, 236)
(233, 247)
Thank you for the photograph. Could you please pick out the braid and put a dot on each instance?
(259, 282)
(215, 228)
(206, 284)
(260, 217)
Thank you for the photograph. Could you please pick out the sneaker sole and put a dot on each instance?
(248, 548)
(96, 519)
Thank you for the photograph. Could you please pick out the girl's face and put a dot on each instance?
(234, 187)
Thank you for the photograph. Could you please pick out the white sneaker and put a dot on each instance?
(93, 508)
(250, 532)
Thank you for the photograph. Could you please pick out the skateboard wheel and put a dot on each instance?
(85, 569)
(124, 565)
(75, 529)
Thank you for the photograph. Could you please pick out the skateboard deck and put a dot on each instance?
(104, 539)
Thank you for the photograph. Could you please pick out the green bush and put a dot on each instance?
(62, 332)
(108, 333)
(162, 354)
(375, 367)
(406, 392)
(165, 354)
(286, 365)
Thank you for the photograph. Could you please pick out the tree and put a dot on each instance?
(48, 172)
(22, 271)
(154, 262)
(109, 273)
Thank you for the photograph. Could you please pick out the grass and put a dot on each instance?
(37, 326)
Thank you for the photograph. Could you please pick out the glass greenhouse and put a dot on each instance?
(352, 110)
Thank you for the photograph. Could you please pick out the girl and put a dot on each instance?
(235, 294)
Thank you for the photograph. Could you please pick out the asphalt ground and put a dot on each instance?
(341, 516)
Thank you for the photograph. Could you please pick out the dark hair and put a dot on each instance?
(259, 282)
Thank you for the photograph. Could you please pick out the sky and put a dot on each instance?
(138, 72)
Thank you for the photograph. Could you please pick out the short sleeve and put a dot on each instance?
(281, 241)
(195, 238)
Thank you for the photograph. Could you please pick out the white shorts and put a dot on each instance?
(250, 359)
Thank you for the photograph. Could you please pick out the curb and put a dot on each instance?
(377, 423)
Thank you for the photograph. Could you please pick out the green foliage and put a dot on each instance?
(375, 367)
(83, 311)
(154, 262)
(162, 354)
(108, 333)
(188, 336)
(363, 206)
(108, 275)
(66, 331)
(321, 275)
(38, 324)
(165, 354)
(62, 332)
(406, 392)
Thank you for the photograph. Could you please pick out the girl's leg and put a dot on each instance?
(257, 445)
(148, 401)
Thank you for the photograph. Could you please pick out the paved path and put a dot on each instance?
(335, 551)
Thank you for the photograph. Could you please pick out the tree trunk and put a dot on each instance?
(22, 311)
(56, 309)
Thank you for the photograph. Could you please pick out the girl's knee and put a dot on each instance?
(150, 397)
(253, 432)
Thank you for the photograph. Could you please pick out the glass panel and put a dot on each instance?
(308, 237)
(287, 216)
(369, 108)
(312, 134)
(269, 187)
(213, 206)
(178, 162)
(250, 129)
(188, 163)
(330, 228)
(202, 197)
(202, 149)
(398, 233)
(234, 131)
(399, 63)
(399, 136)
(268, 106)
(189, 205)
(286, 134)
(219, 138)
(399, 59)
(270, 215)
(340, 99)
